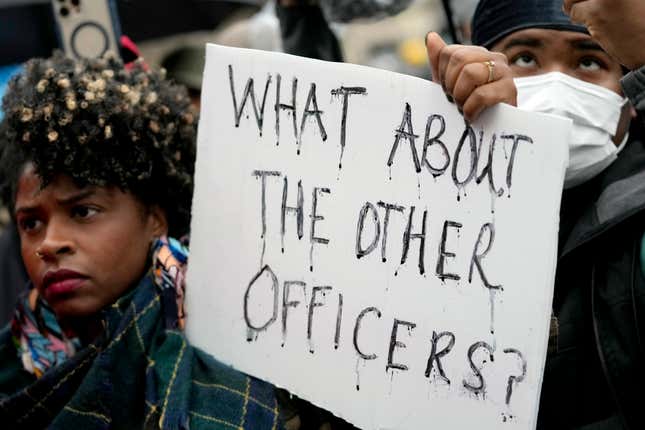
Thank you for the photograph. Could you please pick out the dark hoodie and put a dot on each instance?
(594, 368)
(13, 279)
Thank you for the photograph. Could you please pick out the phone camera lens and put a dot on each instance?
(64, 11)
(76, 2)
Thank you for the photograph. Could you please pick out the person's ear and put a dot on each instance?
(158, 221)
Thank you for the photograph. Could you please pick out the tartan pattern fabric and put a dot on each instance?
(137, 375)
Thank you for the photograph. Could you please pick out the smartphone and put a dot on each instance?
(87, 28)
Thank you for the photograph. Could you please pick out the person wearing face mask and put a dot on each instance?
(530, 54)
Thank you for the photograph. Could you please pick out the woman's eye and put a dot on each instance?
(83, 212)
(29, 224)
(524, 60)
(590, 64)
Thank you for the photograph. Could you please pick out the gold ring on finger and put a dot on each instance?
(491, 70)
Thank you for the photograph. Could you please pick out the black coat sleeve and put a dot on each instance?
(13, 279)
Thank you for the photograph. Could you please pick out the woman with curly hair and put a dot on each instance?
(96, 166)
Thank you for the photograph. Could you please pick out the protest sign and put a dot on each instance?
(357, 243)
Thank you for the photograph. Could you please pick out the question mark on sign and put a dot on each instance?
(513, 379)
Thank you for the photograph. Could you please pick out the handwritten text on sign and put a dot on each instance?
(355, 242)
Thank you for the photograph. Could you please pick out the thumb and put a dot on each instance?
(434, 44)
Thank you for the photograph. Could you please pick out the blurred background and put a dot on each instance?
(28, 27)
(387, 34)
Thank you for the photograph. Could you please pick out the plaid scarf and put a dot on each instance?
(140, 373)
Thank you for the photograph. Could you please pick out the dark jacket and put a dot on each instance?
(595, 366)
(13, 279)
(306, 32)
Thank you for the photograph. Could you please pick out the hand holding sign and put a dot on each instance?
(474, 77)
(617, 25)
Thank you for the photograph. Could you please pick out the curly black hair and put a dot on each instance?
(102, 125)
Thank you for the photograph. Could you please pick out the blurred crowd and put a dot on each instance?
(382, 34)
(386, 34)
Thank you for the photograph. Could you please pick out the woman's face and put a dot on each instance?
(83, 247)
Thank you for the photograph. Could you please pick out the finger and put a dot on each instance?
(467, 55)
(445, 55)
(472, 76)
(567, 4)
(434, 44)
(580, 12)
(459, 58)
(486, 96)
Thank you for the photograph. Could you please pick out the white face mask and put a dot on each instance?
(595, 111)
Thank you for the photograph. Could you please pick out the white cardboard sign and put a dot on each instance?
(355, 242)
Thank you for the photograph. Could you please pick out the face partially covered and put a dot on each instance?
(536, 51)
(83, 247)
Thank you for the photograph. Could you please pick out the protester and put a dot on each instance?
(97, 170)
(306, 32)
(13, 279)
(304, 24)
(12, 274)
(531, 54)
(616, 25)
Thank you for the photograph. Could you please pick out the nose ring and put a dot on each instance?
(39, 254)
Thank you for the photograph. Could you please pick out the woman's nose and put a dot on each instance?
(57, 241)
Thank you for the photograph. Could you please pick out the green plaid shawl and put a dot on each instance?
(138, 375)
